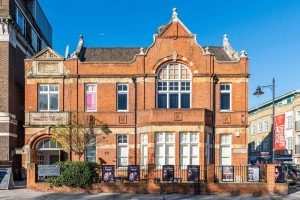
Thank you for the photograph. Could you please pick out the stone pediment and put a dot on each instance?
(47, 54)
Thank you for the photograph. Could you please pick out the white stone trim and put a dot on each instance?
(8, 135)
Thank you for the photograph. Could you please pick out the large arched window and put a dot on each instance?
(174, 86)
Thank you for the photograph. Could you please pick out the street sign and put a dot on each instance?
(48, 170)
(6, 178)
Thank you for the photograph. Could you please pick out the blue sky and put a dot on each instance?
(269, 30)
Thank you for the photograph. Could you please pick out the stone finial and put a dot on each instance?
(174, 14)
(206, 51)
(225, 40)
(244, 54)
(142, 51)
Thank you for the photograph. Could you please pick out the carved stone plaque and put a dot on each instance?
(122, 119)
(48, 68)
(177, 116)
(226, 119)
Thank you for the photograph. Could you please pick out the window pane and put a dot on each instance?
(225, 101)
(159, 150)
(162, 101)
(195, 161)
(123, 151)
(194, 150)
(43, 102)
(184, 150)
(184, 138)
(173, 100)
(53, 101)
(185, 100)
(122, 101)
(170, 150)
(91, 101)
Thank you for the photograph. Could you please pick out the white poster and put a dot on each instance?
(253, 174)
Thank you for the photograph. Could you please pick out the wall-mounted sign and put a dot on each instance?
(48, 170)
(6, 179)
(108, 173)
(193, 173)
(168, 173)
(133, 172)
(253, 174)
(227, 174)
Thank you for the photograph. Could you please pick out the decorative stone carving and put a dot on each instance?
(177, 116)
(47, 118)
(174, 55)
(122, 119)
(244, 54)
(228, 49)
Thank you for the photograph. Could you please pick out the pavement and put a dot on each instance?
(26, 194)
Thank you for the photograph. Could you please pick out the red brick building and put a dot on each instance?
(174, 102)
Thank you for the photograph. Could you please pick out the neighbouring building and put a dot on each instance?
(24, 31)
(287, 107)
(174, 102)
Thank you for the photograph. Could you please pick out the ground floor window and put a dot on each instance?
(189, 149)
(90, 151)
(144, 149)
(122, 150)
(164, 148)
(225, 149)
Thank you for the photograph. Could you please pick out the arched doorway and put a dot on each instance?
(48, 152)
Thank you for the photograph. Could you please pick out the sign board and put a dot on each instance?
(48, 170)
(108, 173)
(253, 174)
(133, 172)
(6, 179)
(193, 173)
(168, 173)
(279, 175)
(227, 174)
(279, 127)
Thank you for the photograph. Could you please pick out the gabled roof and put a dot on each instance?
(47, 54)
(109, 54)
(219, 53)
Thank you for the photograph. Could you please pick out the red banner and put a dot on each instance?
(279, 138)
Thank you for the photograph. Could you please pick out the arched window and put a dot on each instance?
(48, 144)
(174, 86)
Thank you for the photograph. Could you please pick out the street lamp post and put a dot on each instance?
(260, 92)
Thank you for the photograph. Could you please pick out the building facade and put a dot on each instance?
(24, 30)
(173, 102)
(260, 123)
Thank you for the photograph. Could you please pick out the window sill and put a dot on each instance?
(90, 111)
(224, 111)
(122, 111)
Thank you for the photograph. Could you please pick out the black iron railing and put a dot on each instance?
(240, 174)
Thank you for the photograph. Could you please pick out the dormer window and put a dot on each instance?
(174, 86)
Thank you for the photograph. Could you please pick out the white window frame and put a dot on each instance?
(144, 145)
(289, 122)
(260, 127)
(230, 96)
(164, 144)
(48, 96)
(169, 80)
(123, 92)
(85, 96)
(266, 126)
(253, 128)
(189, 144)
(119, 145)
(226, 145)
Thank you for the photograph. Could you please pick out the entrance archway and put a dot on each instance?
(48, 152)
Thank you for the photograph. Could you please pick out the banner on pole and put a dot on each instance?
(279, 138)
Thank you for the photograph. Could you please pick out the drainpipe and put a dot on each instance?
(135, 120)
(215, 82)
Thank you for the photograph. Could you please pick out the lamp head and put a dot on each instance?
(258, 91)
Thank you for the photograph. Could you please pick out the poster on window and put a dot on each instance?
(108, 173)
(168, 173)
(133, 172)
(253, 174)
(227, 174)
(193, 173)
(279, 175)
(279, 138)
